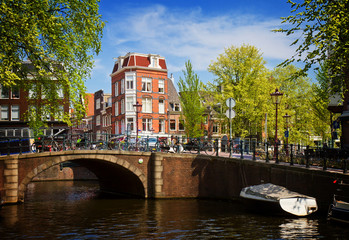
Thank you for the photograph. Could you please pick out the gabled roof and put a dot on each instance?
(173, 96)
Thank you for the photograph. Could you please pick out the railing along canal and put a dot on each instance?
(293, 154)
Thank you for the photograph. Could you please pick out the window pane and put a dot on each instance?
(15, 112)
(4, 112)
(146, 84)
(129, 103)
(161, 106)
(161, 86)
(172, 124)
(15, 92)
(161, 125)
(4, 92)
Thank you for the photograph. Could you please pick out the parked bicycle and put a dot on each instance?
(196, 146)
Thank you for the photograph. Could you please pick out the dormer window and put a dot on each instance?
(154, 62)
(120, 62)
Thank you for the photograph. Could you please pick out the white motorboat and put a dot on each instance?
(274, 198)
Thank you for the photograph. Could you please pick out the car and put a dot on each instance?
(151, 143)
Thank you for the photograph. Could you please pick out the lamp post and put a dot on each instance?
(276, 97)
(138, 109)
(287, 119)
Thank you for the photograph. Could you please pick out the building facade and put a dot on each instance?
(140, 78)
(15, 103)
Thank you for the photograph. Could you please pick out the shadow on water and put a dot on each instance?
(75, 210)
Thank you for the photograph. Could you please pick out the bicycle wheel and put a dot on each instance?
(123, 146)
(210, 149)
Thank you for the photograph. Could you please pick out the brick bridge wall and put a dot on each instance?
(163, 175)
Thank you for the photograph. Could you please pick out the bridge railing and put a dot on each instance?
(293, 154)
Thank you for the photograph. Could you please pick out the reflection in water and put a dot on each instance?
(74, 210)
(299, 228)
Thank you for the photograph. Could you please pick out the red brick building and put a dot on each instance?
(14, 104)
(140, 78)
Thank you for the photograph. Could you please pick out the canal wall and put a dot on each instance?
(164, 175)
(221, 178)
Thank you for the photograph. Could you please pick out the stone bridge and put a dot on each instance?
(166, 175)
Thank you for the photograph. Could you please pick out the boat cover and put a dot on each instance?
(269, 192)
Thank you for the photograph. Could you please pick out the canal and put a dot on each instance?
(75, 210)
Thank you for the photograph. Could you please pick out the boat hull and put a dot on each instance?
(339, 215)
(274, 199)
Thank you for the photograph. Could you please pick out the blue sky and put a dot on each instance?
(182, 30)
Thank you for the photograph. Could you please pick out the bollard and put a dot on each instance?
(291, 155)
(216, 146)
(276, 150)
(254, 151)
(267, 153)
(307, 156)
(230, 146)
(241, 149)
(345, 165)
(199, 143)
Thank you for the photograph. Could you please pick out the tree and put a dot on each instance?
(321, 98)
(242, 75)
(296, 102)
(324, 37)
(59, 38)
(323, 26)
(192, 108)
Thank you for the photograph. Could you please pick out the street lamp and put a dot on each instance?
(276, 97)
(287, 120)
(138, 108)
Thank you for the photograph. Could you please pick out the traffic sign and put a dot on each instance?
(230, 102)
(231, 114)
(286, 134)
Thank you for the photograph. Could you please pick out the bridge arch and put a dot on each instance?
(104, 167)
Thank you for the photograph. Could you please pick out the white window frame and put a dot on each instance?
(130, 101)
(122, 86)
(13, 107)
(98, 103)
(131, 121)
(122, 103)
(116, 108)
(161, 106)
(98, 120)
(116, 89)
(117, 127)
(146, 85)
(122, 126)
(8, 92)
(129, 82)
(147, 124)
(162, 125)
(147, 106)
(161, 86)
(4, 110)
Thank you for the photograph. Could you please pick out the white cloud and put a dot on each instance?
(180, 36)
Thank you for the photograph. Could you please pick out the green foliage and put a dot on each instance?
(242, 75)
(320, 102)
(296, 102)
(323, 30)
(59, 37)
(192, 108)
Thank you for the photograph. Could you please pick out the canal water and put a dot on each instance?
(75, 210)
